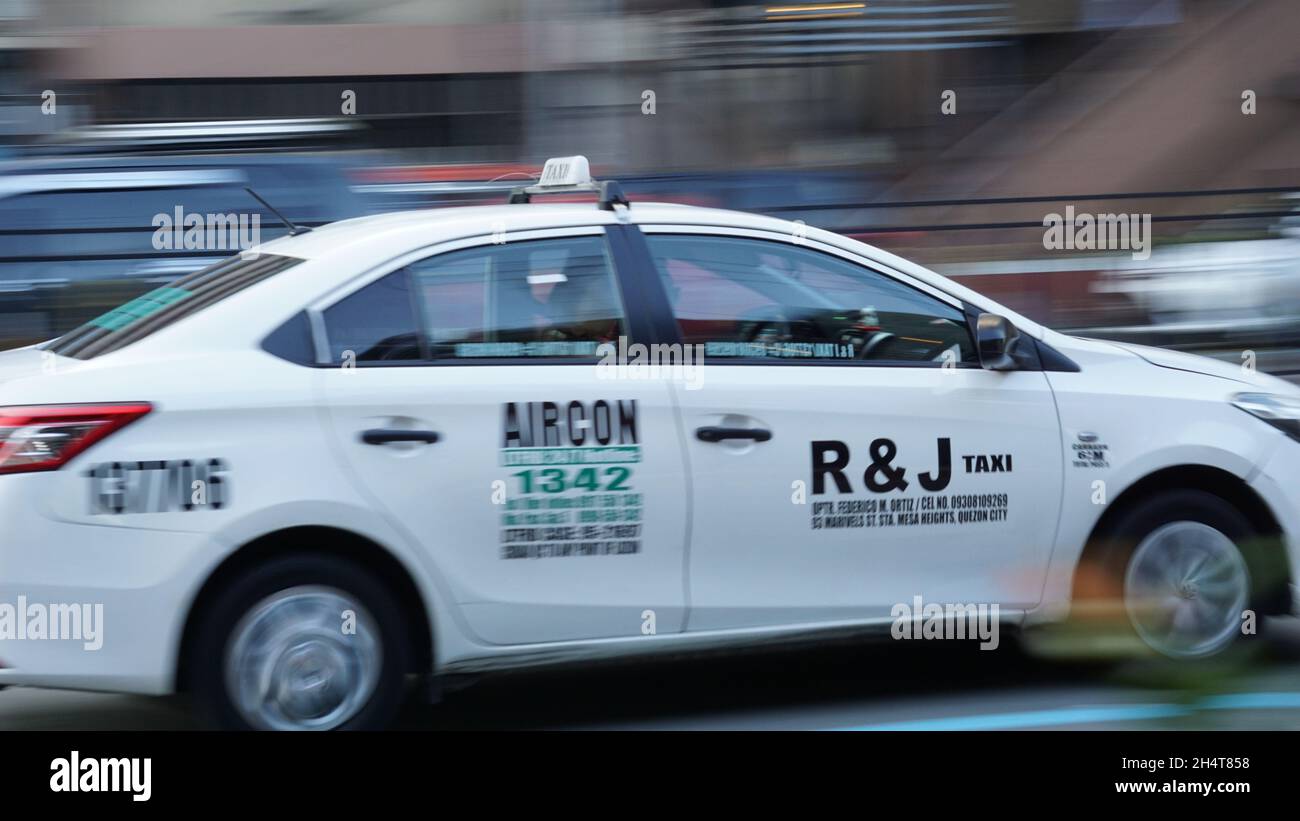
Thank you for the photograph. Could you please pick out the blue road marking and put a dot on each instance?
(1063, 716)
(1252, 701)
(1037, 718)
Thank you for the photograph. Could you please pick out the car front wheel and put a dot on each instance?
(1183, 563)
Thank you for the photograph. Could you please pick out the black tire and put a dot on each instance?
(239, 597)
(1101, 587)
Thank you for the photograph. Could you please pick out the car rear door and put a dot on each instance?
(847, 452)
(464, 395)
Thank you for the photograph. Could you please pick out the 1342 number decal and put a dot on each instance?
(558, 480)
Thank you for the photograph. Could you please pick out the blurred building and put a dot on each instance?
(735, 84)
(22, 42)
(819, 111)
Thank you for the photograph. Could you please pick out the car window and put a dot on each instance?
(540, 298)
(760, 299)
(375, 324)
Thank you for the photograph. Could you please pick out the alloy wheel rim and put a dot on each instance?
(295, 663)
(1186, 588)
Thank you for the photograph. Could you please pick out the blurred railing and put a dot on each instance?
(1219, 293)
(776, 32)
(1063, 199)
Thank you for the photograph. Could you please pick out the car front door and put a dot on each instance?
(848, 453)
(463, 391)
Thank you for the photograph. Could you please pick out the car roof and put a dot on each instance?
(410, 230)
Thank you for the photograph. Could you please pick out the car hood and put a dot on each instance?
(1179, 361)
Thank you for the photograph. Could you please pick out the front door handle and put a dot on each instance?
(719, 434)
(385, 436)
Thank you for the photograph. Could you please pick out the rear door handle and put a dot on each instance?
(385, 436)
(719, 434)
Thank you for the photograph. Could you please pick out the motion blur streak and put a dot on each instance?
(946, 131)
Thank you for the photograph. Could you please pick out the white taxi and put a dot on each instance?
(455, 441)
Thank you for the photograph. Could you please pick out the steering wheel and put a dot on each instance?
(883, 343)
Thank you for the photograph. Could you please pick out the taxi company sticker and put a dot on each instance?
(573, 492)
(830, 467)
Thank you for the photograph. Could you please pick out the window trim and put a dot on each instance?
(727, 232)
(316, 309)
(813, 244)
(654, 322)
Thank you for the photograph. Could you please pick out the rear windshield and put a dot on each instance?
(169, 304)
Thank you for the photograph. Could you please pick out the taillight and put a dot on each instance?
(47, 437)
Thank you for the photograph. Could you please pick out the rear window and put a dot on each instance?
(161, 307)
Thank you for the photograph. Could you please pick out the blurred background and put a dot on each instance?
(942, 130)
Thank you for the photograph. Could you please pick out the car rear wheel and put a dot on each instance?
(302, 642)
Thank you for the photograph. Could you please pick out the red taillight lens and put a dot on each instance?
(46, 437)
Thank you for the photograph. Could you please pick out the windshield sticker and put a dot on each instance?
(140, 308)
(519, 350)
(574, 493)
(780, 350)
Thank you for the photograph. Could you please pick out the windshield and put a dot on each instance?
(161, 307)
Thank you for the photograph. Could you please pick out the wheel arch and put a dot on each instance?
(1215, 481)
(325, 540)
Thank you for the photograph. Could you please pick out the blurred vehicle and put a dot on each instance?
(79, 235)
(1243, 292)
(420, 443)
(207, 137)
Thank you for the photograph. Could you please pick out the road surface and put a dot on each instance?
(894, 685)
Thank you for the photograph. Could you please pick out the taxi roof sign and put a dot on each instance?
(566, 171)
(565, 174)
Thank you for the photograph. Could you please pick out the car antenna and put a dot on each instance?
(294, 230)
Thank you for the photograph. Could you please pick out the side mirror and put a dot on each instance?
(996, 338)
